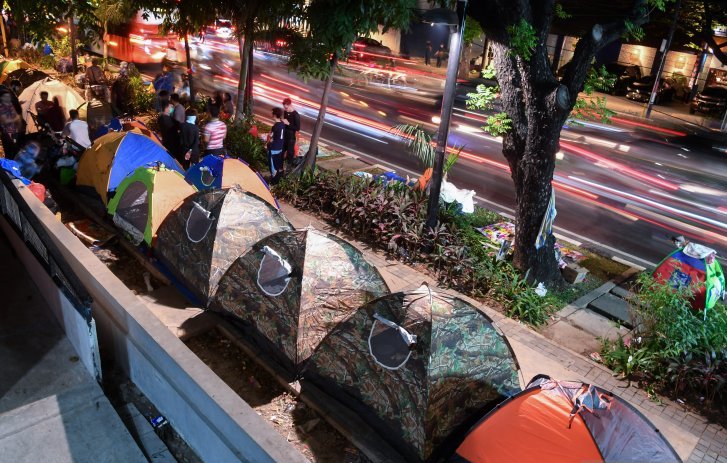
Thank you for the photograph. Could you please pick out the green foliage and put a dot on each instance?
(599, 79)
(141, 99)
(391, 217)
(633, 32)
(594, 108)
(61, 46)
(560, 13)
(498, 125)
(47, 62)
(523, 39)
(334, 26)
(673, 346)
(472, 31)
(484, 100)
(241, 144)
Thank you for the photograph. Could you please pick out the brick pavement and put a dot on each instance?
(694, 438)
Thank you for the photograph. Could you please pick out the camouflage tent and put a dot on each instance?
(199, 240)
(419, 367)
(293, 287)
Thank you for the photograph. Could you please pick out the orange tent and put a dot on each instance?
(562, 422)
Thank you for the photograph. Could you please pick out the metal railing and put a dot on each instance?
(30, 229)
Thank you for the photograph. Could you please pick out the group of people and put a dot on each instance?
(440, 54)
(282, 140)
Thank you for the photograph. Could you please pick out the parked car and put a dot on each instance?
(640, 90)
(712, 99)
(367, 49)
(625, 74)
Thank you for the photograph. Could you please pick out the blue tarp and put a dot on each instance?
(136, 151)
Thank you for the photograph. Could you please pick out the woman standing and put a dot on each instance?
(11, 125)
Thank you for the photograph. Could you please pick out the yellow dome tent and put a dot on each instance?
(145, 198)
(10, 66)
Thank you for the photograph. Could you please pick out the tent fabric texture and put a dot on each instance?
(144, 199)
(199, 240)
(293, 287)
(562, 422)
(68, 98)
(141, 127)
(418, 366)
(694, 266)
(218, 172)
(26, 76)
(112, 157)
(12, 66)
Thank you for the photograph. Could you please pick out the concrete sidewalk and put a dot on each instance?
(692, 436)
(51, 408)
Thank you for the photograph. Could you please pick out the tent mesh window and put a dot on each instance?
(273, 275)
(199, 222)
(207, 177)
(389, 343)
(132, 212)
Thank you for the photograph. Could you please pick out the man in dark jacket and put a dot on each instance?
(291, 119)
(189, 140)
(95, 81)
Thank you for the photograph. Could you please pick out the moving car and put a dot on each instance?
(223, 29)
(367, 49)
(712, 99)
(640, 90)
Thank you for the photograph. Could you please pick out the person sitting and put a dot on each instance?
(95, 78)
(54, 116)
(77, 130)
(42, 105)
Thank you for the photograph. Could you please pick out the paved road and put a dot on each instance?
(624, 189)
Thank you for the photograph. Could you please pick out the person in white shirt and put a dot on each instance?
(77, 130)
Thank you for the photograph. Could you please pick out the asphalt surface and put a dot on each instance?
(623, 189)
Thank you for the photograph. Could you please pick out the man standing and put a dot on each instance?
(189, 140)
(178, 113)
(291, 119)
(428, 53)
(77, 130)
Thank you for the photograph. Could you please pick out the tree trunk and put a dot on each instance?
(530, 152)
(310, 157)
(190, 77)
(105, 45)
(242, 81)
(464, 62)
(248, 99)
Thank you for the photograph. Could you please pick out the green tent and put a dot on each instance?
(293, 287)
(200, 239)
(419, 367)
(144, 199)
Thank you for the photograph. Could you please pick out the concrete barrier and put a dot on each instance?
(207, 414)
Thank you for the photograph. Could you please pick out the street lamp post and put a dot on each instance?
(455, 49)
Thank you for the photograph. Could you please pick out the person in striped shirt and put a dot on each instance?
(214, 133)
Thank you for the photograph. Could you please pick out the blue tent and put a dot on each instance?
(115, 155)
(214, 172)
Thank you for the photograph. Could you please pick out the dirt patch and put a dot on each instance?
(295, 421)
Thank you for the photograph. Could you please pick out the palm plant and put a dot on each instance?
(420, 144)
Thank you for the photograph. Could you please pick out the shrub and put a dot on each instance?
(681, 350)
(47, 62)
(391, 217)
(141, 98)
(241, 144)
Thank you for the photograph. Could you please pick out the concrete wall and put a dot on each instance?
(211, 418)
(81, 334)
(392, 39)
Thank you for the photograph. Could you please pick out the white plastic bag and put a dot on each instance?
(451, 193)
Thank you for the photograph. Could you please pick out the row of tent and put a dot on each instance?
(421, 368)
